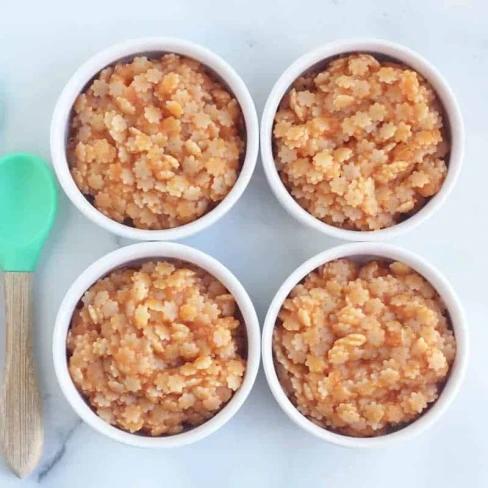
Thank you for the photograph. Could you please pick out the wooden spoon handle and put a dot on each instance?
(21, 419)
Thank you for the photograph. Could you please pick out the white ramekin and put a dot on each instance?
(360, 252)
(149, 46)
(138, 253)
(320, 56)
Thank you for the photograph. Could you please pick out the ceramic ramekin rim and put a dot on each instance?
(447, 293)
(124, 256)
(404, 55)
(133, 47)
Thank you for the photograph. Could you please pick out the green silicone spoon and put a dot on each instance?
(28, 203)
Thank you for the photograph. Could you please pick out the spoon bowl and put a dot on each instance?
(28, 202)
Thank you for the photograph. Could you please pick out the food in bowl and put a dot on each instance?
(362, 144)
(363, 349)
(156, 143)
(157, 349)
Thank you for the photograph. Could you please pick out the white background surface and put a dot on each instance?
(43, 42)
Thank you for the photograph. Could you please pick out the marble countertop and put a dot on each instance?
(42, 43)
